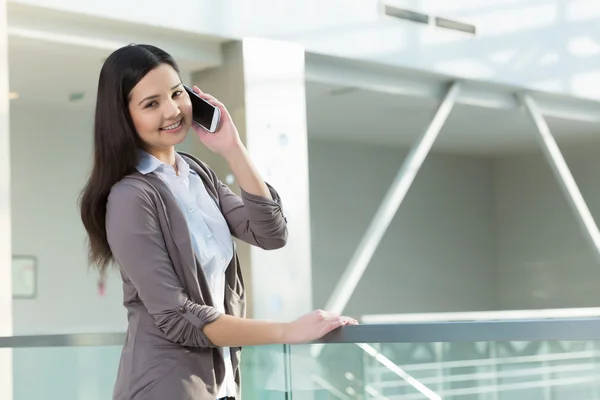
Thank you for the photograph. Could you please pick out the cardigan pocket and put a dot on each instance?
(236, 303)
(152, 388)
(148, 391)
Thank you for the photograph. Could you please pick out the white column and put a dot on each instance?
(262, 84)
(5, 227)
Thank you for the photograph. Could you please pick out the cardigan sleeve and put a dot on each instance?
(138, 246)
(254, 219)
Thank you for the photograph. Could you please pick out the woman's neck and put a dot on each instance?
(165, 155)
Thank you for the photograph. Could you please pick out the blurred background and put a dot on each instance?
(437, 160)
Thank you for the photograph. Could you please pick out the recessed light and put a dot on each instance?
(13, 95)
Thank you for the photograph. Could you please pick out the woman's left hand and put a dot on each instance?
(226, 137)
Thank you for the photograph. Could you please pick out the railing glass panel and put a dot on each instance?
(546, 359)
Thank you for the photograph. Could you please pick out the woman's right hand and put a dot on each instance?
(313, 326)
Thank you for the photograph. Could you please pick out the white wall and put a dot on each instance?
(50, 159)
(544, 259)
(439, 253)
(547, 44)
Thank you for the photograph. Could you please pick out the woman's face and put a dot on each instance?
(161, 109)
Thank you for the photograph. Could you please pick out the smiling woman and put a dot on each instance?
(168, 223)
(161, 111)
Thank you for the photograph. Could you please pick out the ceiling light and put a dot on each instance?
(13, 95)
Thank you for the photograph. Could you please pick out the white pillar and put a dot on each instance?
(262, 84)
(5, 227)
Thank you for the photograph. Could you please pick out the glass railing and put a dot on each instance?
(545, 359)
(531, 370)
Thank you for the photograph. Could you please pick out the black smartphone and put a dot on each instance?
(204, 114)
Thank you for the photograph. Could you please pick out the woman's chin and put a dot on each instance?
(174, 138)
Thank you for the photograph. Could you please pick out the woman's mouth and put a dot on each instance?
(173, 127)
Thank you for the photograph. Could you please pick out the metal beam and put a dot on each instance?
(563, 174)
(389, 205)
(382, 78)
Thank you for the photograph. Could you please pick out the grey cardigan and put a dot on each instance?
(166, 353)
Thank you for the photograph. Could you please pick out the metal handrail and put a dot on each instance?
(63, 340)
(471, 331)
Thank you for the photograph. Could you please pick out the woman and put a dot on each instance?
(167, 221)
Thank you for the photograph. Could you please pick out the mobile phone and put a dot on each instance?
(204, 114)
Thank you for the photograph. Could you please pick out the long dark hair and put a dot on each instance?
(116, 142)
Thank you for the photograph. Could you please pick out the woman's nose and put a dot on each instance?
(172, 110)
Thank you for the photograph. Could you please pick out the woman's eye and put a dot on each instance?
(177, 93)
(151, 104)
